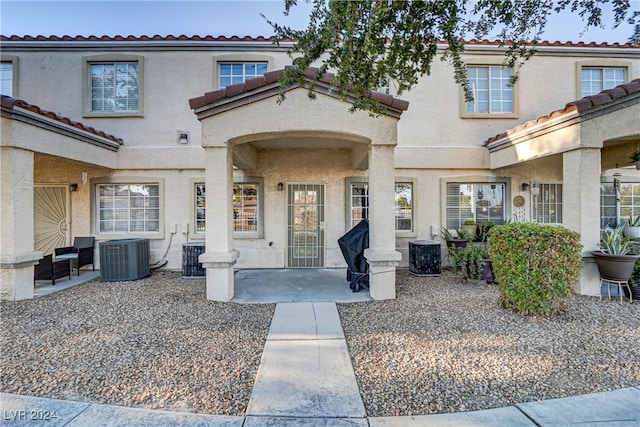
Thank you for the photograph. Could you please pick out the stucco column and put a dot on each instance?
(17, 256)
(581, 209)
(381, 254)
(219, 257)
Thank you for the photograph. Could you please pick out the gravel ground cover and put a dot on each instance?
(442, 346)
(445, 346)
(153, 343)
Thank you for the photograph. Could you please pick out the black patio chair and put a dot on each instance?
(50, 269)
(80, 254)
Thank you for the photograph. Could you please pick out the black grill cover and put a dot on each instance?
(352, 245)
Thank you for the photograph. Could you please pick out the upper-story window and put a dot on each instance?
(491, 88)
(597, 79)
(6, 78)
(237, 72)
(114, 87)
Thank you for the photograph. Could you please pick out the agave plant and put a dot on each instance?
(613, 242)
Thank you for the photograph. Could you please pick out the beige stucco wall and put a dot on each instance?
(434, 142)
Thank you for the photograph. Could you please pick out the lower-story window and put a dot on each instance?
(128, 208)
(629, 202)
(547, 203)
(246, 209)
(359, 204)
(479, 201)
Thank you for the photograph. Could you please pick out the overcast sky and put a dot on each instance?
(207, 17)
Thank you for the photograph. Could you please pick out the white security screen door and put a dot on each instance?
(305, 225)
(50, 217)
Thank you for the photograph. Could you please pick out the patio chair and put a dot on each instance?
(80, 254)
(50, 269)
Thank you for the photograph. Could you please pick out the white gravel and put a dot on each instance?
(445, 346)
(442, 346)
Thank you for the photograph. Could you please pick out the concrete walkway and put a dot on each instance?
(305, 378)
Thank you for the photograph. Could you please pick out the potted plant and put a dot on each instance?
(469, 226)
(632, 228)
(457, 239)
(614, 259)
(634, 282)
(471, 260)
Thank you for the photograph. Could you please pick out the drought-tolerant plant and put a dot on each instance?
(535, 266)
(634, 222)
(614, 242)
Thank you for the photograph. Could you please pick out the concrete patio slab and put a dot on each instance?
(498, 417)
(613, 408)
(44, 287)
(295, 285)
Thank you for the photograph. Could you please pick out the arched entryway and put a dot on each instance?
(301, 153)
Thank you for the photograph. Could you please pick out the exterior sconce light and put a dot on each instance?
(183, 137)
(73, 187)
(525, 186)
(535, 190)
(280, 186)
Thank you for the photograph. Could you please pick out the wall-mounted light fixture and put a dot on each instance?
(183, 137)
(280, 186)
(73, 187)
(535, 190)
(525, 186)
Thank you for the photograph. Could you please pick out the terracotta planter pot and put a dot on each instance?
(615, 267)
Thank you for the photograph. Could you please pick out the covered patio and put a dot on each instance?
(297, 142)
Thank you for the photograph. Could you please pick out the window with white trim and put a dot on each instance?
(597, 79)
(6, 78)
(114, 87)
(629, 202)
(245, 207)
(128, 208)
(237, 72)
(546, 203)
(480, 201)
(359, 204)
(491, 89)
(201, 208)
(404, 206)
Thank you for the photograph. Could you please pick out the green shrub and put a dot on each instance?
(469, 259)
(535, 266)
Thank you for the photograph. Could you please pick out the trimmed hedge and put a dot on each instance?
(535, 266)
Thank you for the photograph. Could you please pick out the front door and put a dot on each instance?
(305, 225)
(51, 217)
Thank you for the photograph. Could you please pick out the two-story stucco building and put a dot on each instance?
(181, 139)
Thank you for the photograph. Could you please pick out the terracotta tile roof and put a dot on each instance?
(273, 77)
(10, 103)
(92, 38)
(580, 105)
(195, 38)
